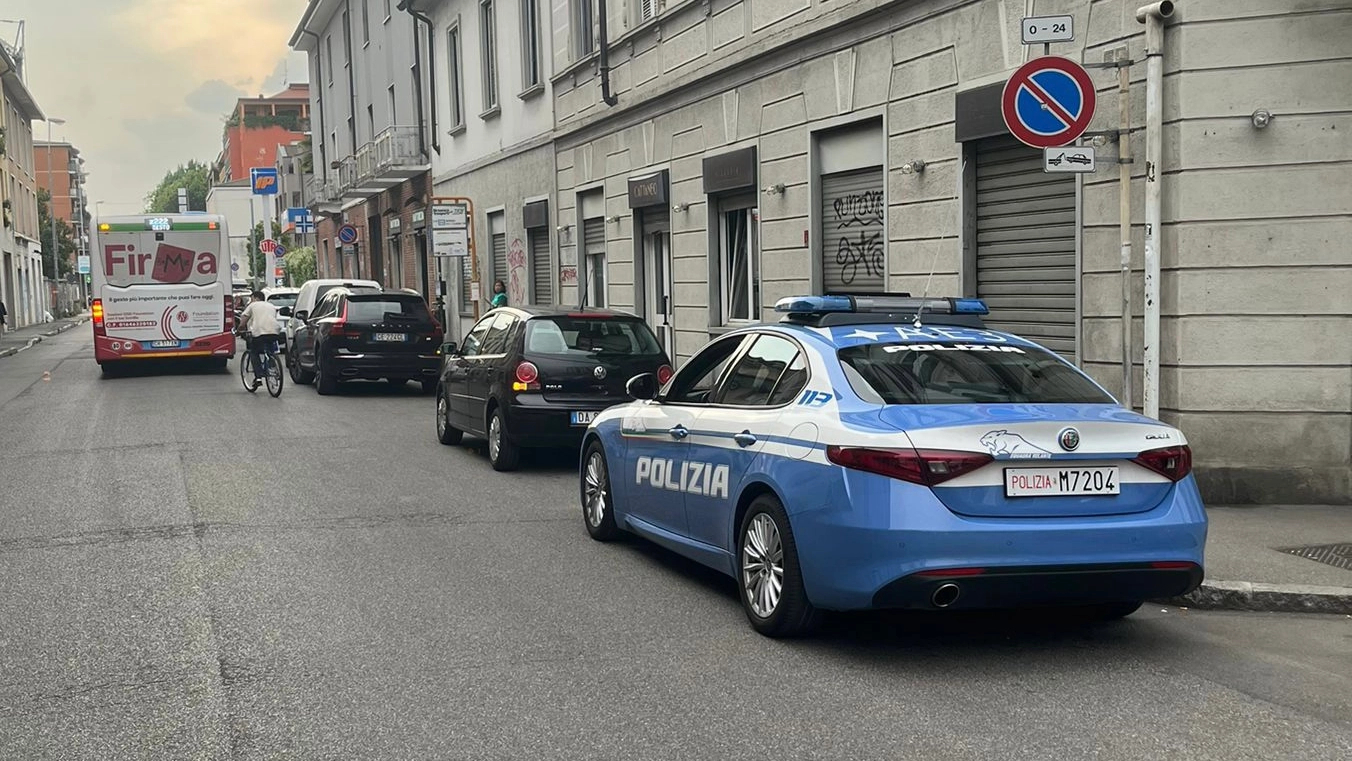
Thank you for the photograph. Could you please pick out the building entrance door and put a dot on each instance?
(658, 301)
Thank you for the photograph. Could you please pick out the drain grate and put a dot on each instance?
(1336, 555)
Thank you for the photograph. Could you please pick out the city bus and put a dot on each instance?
(160, 288)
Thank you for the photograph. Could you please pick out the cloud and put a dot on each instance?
(213, 97)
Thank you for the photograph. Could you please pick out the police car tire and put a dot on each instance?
(794, 616)
(607, 530)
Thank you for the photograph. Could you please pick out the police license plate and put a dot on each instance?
(1061, 482)
(583, 418)
(392, 337)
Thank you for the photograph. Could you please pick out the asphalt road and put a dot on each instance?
(188, 571)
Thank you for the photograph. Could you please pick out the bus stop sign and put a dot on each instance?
(1048, 102)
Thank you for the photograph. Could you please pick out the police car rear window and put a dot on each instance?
(957, 373)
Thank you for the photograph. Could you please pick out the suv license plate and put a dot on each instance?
(1061, 482)
(583, 418)
(393, 337)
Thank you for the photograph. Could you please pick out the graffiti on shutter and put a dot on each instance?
(853, 237)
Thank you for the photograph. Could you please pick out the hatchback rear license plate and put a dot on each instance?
(393, 337)
(1061, 482)
(583, 418)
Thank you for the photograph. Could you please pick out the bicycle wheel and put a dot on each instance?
(246, 375)
(274, 376)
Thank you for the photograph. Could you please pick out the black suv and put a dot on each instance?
(366, 334)
(536, 376)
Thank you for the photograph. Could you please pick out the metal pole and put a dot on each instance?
(253, 241)
(51, 213)
(1124, 199)
(1153, 17)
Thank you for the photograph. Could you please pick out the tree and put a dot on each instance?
(300, 265)
(194, 175)
(258, 261)
(65, 235)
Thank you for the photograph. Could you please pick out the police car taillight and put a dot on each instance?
(1171, 462)
(927, 467)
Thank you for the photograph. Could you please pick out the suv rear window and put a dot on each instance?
(957, 373)
(374, 308)
(582, 336)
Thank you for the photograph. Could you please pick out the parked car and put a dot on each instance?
(285, 301)
(538, 376)
(366, 334)
(874, 452)
(311, 291)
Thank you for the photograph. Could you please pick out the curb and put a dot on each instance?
(1266, 598)
(38, 339)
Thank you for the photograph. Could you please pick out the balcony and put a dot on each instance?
(324, 195)
(390, 159)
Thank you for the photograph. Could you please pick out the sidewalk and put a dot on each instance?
(13, 341)
(1249, 565)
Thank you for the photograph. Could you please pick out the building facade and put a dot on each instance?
(21, 274)
(60, 172)
(242, 209)
(371, 159)
(763, 148)
(256, 127)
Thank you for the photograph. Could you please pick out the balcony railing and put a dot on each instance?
(366, 164)
(391, 158)
(347, 174)
(397, 147)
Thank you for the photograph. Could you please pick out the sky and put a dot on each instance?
(146, 85)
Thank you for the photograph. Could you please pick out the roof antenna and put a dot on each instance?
(924, 297)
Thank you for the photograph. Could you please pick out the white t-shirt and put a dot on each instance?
(260, 319)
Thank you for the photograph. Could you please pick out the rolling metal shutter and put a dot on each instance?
(594, 240)
(499, 260)
(542, 275)
(853, 235)
(1025, 244)
(466, 277)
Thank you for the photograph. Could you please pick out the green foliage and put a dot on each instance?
(195, 176)
(300, 265)
(290, 121)
(65, 235)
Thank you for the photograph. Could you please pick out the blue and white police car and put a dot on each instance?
(893, 452)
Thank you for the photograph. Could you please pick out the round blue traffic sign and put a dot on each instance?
(347, 234)
(1048, 102)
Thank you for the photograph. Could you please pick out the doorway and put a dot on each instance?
(657, 289)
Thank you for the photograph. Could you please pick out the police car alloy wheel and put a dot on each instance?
(770, 583)
(597, 506)
(446, 433)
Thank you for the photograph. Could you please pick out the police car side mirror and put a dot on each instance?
(642, 387)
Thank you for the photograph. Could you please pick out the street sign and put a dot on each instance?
(300, 217)
(450, 242)
(347, 235)
(263, 180)
(1038, 30)
(1071, 158)
(1048, 101)
(450, 216)
(82, 264)
(268, 246)
(234, 266)
(280, 252)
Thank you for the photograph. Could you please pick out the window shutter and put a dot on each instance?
(542, 274)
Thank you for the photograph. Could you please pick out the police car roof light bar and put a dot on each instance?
(888, 304)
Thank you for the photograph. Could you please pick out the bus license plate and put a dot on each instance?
(1061, 482)
(583, 418)
(164, 344)
(392, 337)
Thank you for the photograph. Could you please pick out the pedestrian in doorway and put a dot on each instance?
(4, 317)
(499, 295)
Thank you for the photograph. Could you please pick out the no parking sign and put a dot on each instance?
(1048, 102)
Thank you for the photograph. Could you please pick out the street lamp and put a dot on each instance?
(51, 212)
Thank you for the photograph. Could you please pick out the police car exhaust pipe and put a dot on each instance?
(945, 595)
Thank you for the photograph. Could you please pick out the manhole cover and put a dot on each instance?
(1336, 555)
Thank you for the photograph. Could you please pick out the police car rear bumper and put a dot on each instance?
(856, 558)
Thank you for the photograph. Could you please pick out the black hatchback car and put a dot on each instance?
(366, 334)
(536, 376)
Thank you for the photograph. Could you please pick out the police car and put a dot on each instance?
(893, 452)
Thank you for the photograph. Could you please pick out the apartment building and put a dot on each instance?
(60, 172)
(256, 127)
(371, 161)
(21, 277)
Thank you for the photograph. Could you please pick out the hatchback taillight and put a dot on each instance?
(927, 467)
(664, 374)
(527, 377)
(1171, 462)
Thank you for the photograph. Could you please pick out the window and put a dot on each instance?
(328, 57)
(579, 337)
(584, 37)
(497, 338)
(961, 373)
(696, 381)
(530, 47)
(737, 275)
(488, 47)
(594, 261)
(394, 115)
(382, 308)
(370, 121)
(476, 335)
(352, 135)
(644, 10)
(456, 81)
(347, 40)
(366, 22)
(755, 379)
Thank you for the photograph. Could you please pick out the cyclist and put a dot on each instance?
(259, 320)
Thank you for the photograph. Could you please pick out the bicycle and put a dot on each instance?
(272, 367)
